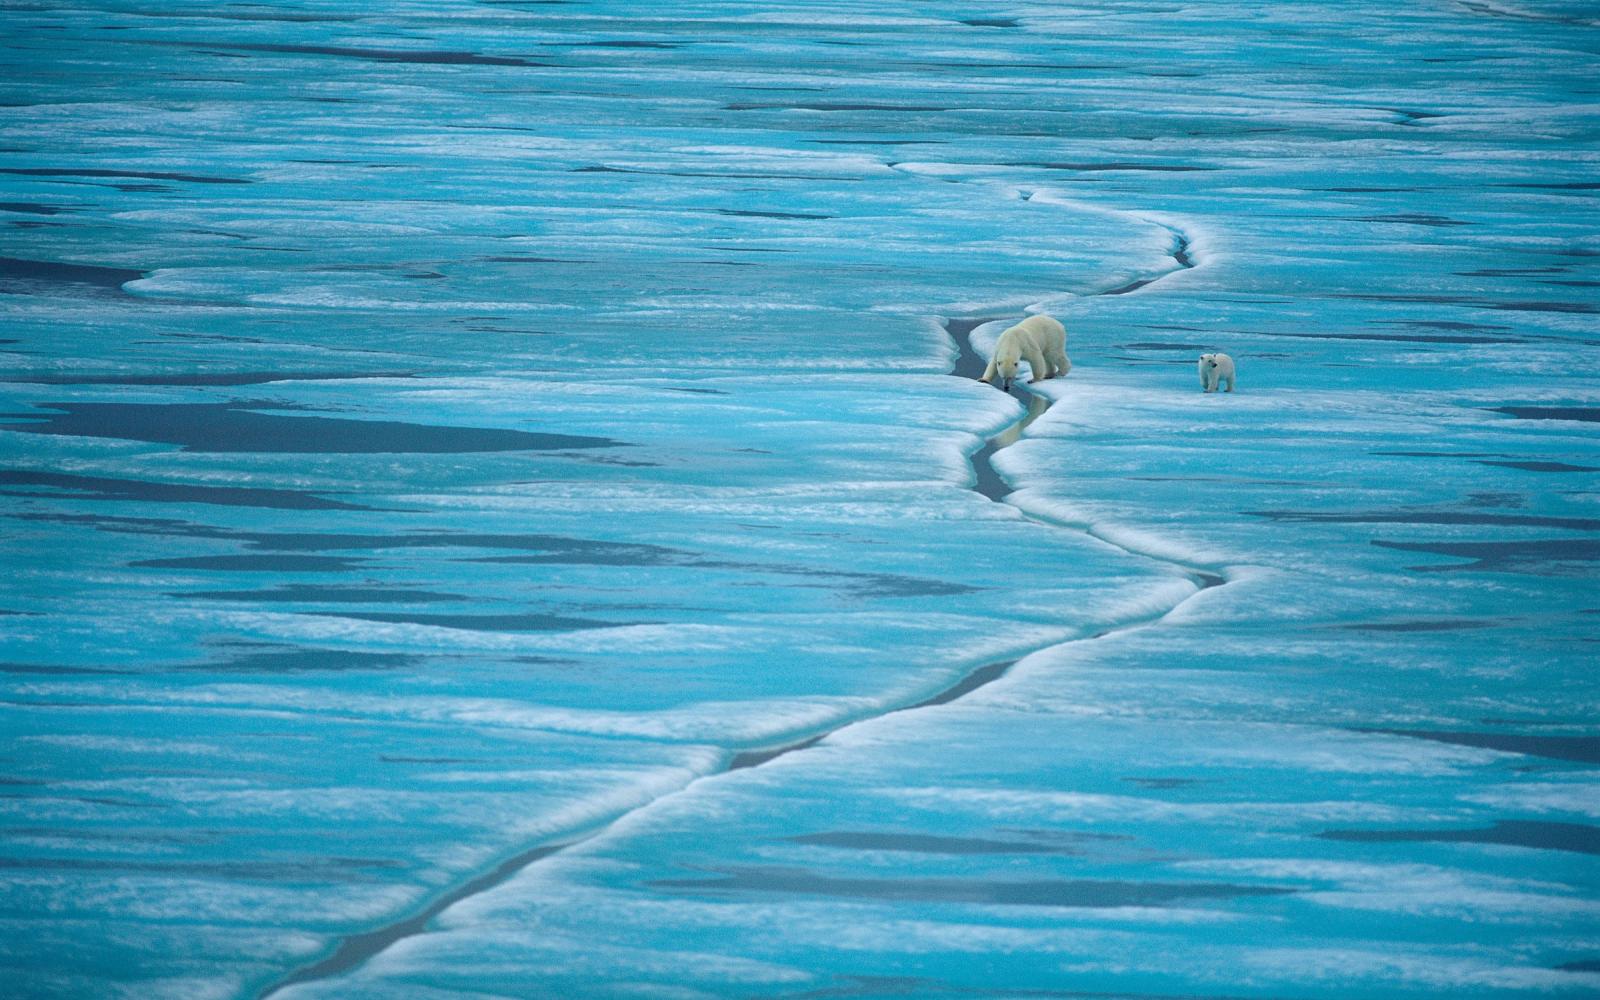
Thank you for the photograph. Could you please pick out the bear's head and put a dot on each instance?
(1005, 365)
(1209, 360)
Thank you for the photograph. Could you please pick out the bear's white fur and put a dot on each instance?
(1038, 340)
(1215, 368)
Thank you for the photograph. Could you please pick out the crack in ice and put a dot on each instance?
(354, 950)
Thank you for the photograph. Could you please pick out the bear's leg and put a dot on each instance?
(1041, 371)
(988, 373)
(1230, 384)
(1059, 365)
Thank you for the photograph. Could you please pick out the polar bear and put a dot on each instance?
(1215, 368)
(1038, 340)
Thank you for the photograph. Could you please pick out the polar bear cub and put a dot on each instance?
(1038, 340)
(1215, 368)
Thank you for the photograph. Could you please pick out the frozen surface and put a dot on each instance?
(486, 512)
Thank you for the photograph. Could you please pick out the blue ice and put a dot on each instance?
(495, 504)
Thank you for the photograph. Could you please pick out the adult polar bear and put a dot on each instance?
(1038, 340)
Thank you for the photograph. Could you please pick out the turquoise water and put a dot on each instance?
(488, 513)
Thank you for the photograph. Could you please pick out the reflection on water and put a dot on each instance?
(1036, 407)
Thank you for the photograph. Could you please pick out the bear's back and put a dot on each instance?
(1041, 329)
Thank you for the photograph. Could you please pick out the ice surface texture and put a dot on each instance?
(487, 513)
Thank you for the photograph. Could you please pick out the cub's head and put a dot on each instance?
(1208, 360)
